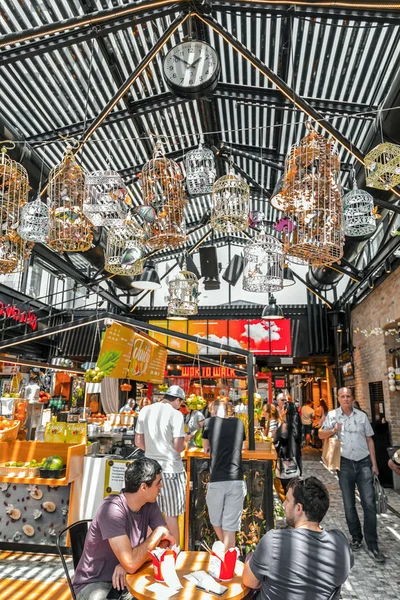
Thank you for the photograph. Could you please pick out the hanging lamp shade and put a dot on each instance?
(230, 204)
(183, 294)
(148, 280)
(164, 197)
(263, 264)
(125, 249)
(105, 198)
(313, 201)
(69, 229)
(34, 223)
(200, 171)
(358, 217)
(288, 278)
(382, 166)
(272, 311)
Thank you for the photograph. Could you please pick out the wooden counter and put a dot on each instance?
(259, 455)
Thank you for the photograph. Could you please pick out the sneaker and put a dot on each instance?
(355, 545)
(377, 555)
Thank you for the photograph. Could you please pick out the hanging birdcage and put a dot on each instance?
(278, 199)
(125, 249)
(313, 201)
(382, 166)
(34, 223)
(105, 199)
(230, 204)
(200, 171)
(14, 251)
(183, 294)
(263, 264)
(14, 189)
(69, 229)
(163, 193)
(358, 217)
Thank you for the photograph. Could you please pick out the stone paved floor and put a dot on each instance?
(368, 580)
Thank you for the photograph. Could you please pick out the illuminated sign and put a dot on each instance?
(207, 372)
(8, 311)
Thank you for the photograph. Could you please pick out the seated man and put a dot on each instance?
(117, 542)
(305, 562)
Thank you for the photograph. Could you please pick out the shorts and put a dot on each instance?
(225, 503)
(172, 496)
(307, 429)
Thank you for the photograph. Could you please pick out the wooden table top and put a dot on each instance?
(258, 454)
(186, 563)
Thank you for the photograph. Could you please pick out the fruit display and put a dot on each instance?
(195, 402)
(44, 397)
(104, 367)
(94, 375)
(52, 463)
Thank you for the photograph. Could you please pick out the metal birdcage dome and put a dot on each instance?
(34, 224)
(104, 202)
(313, 201)
(183, 294)
(230, 204)
(382, 166)
(125, 249)
(263, 264)
(200, 171)
(163, 192)
(358, 217)
(69, 229)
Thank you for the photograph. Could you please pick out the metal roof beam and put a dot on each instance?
(94, 19)
(320, 10)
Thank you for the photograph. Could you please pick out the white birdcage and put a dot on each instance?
(200, 171)
(183, 294)
(163, 192)
(382, 166)
(69, 229)
(125, 249)
(34, 223)
(230, 204)
(312, 198)
(263, 264)
(357, 212)
(105, 198)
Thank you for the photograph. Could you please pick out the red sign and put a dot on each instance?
(12, 312)
(207, 372)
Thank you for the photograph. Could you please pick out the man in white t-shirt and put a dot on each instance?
(160, 433)
(307, 414)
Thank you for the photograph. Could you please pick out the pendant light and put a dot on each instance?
(149, 279)
(272, 311)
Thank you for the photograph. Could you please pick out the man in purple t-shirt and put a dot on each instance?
(117, 542)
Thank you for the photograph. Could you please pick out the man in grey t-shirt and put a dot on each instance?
(304, 563)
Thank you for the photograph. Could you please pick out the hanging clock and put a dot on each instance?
(191, 69)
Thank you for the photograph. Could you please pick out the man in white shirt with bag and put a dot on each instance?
(357, 467)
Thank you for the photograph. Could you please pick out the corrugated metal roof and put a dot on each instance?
(338, 60)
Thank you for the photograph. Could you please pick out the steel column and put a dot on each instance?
(250, 400)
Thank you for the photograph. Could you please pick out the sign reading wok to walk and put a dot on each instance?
(125, 353)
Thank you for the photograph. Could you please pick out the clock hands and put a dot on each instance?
(182, 60)
(196, 61)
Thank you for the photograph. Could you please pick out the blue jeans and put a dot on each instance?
(359, 473)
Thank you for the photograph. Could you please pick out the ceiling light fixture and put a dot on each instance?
(149, 279)
(272, 311)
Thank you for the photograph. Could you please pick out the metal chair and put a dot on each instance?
(77, 533)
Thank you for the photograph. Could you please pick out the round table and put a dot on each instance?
(186, 563)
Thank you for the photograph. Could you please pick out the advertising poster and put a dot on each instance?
(148, 360)
(197, 328)
(116, 350)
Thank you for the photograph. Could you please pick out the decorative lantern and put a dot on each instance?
(313, 201)
(200, 171)
(382, 166)
(183, 294)
(263, 264)
(104, 202)
(125, 249)
(230, 204)
(34, 225)
(162, 186)
(69, 229)
(357, 212)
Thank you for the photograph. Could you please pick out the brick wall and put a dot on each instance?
(371, 355)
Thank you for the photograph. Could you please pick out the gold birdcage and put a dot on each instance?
(183, 297)
(230, 204)
(263, 264)
(69, 229)
(125, 249)
(313, 201)
(14, 189)
(14, 251)
(105, 198)
(382, 166)
(163, 192)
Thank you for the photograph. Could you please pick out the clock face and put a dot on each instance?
(191, 66)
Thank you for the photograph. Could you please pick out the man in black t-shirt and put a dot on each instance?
(223, 437)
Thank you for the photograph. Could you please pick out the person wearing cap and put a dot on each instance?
(160, 434)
